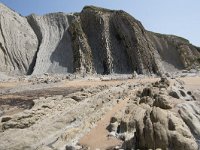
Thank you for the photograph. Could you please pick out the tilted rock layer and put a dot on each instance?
(96, 40)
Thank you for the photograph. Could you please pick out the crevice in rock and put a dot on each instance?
(36, 29)
(4, 51)
(32, 65)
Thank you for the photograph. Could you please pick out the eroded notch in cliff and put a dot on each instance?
(36, 28)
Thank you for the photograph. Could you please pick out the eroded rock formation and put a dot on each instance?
(96, 40)
(155, 120)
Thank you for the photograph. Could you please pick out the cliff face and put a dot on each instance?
(18, 43)
(114, 42)
(175, 52)
(96, 40)
(54, 53)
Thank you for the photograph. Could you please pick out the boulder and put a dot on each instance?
(161, 102)
(163, 83)
(147, 92)
(147, 100)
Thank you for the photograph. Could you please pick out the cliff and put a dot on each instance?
(96, 40)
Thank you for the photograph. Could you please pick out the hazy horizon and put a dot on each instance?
(166, 17)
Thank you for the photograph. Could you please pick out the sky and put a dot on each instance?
(177, 17)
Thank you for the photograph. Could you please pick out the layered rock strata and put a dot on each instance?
(96, 40)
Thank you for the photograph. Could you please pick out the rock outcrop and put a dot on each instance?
(18, 43)
(155, 120)
(96, 40)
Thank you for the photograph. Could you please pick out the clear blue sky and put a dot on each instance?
(179, 17)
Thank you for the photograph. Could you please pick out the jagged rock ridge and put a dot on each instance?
(96, 40)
